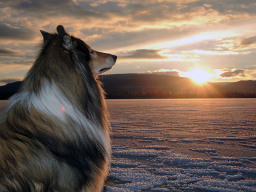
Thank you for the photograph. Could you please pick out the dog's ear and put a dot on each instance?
(46, 35)
(61, 31)
(67, 40)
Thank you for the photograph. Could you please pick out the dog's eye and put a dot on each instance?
(92, 51)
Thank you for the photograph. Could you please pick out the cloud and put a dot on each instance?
(65, 9)
(137, 30)
(13, 32)
(248, 41)
(237, 73)
(234, 73)
(14, 61)
(210, 52)
(36, 5)
(118, 21)
(7, 52)
(142, 54)
(137, 15)
(228, 6)
(173, 72)
(140, 38)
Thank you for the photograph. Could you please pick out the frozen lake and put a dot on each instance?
(183, 145)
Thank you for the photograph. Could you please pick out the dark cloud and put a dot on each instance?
(248, 41)
(6, 52)
(167, 11)
(237, 72)
(135, 11)
(37, 5)
(227, 6)
(142, 54)
(16, 61)
(140, 12)
(66, 8)
(13, 32)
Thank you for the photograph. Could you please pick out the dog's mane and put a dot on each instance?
(58, 66)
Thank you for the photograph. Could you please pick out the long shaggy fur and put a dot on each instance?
(54, 134)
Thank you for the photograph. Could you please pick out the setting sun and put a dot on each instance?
(199, 76)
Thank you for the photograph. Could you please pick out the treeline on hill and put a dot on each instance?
(153, 94)
(149, 86)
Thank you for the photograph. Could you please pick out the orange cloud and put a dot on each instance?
(238, 74)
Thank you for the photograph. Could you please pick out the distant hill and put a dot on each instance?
(239, 89)
(8, 90)
(158, 86)
(143, 82)
(167, 86)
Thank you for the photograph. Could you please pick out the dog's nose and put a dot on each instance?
(114, 57)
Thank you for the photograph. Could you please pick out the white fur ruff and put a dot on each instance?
(54, 104)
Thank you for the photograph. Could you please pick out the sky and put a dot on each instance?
(149, 36)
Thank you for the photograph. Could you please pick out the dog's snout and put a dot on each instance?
(114, 57)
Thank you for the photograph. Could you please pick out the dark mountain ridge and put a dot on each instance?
(158, 86)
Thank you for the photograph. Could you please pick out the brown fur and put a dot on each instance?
(39, 151)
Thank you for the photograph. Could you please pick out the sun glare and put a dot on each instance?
(199, 76)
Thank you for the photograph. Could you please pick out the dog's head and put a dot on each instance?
(82, 53)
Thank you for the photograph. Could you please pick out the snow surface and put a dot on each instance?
(183, 145)
(199, 145)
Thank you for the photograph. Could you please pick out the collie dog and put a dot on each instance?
(54, 133)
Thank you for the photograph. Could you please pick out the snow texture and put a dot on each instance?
(183, 145)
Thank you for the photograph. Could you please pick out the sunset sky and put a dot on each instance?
(148, 36)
